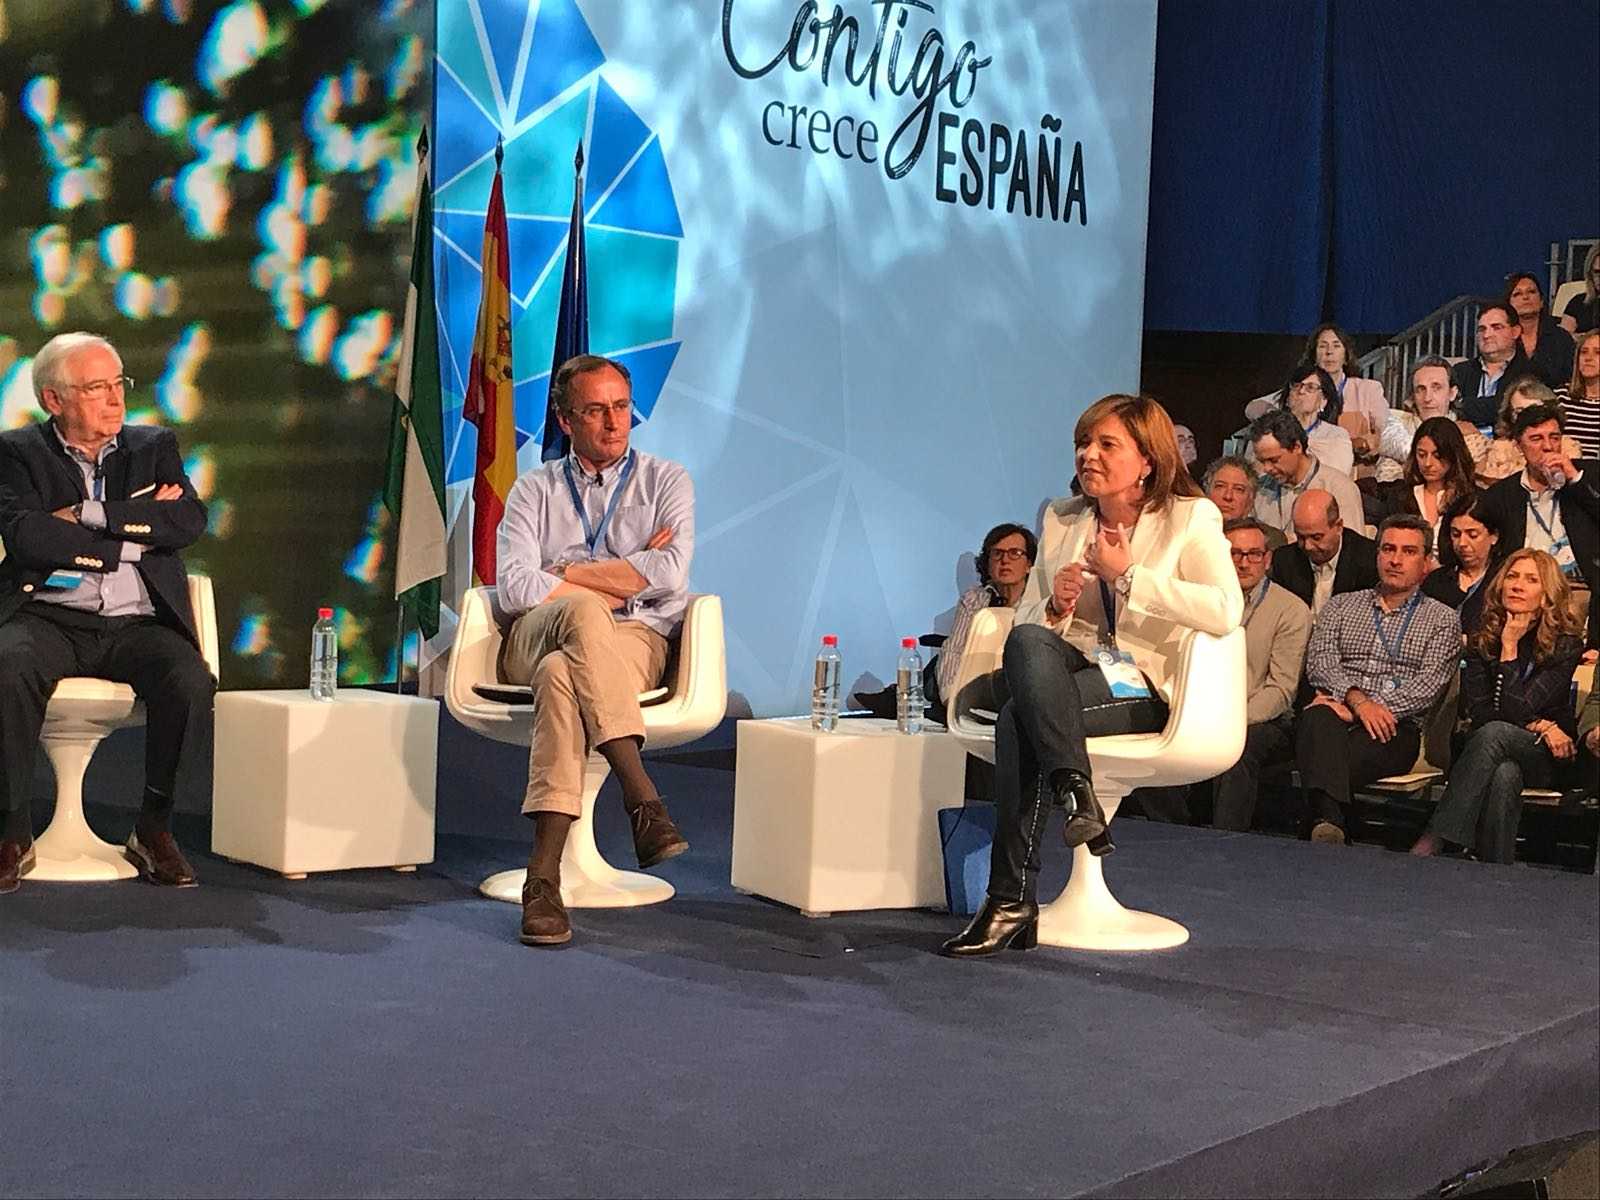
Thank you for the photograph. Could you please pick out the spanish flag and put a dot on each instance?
(489, 404)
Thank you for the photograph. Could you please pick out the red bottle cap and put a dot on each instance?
(324, 614)
(907, 643)
(830, 639)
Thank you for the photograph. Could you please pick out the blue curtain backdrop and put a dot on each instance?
(1363, 160)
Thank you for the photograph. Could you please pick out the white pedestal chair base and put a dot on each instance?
(1086, 916)
(69, 851)
(587, 880)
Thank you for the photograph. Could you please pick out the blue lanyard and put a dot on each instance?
(1533, 507)
(1261, 595)
(1312, 428)
(1108, 601)
(1342, 382)
(593, 534)
(1392, 653)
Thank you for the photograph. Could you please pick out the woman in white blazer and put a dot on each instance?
(1122, 572)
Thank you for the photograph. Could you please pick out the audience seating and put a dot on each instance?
(1204, 736)
(690, 706)
(81, 713)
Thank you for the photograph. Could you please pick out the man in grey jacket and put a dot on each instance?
(1277, 626)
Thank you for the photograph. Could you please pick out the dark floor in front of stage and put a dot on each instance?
(370, 1033)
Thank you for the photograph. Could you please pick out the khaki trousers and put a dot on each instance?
(586, 669)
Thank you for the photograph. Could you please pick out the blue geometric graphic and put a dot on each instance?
(543, 94)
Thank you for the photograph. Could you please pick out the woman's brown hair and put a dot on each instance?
(1449, 445)
(1556, 618)
(1578, 389)
(1151, 429)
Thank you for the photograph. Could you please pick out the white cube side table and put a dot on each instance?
(843, 821)
(305, 785)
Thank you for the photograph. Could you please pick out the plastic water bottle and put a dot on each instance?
(324, 656)
(825, 686)
(908, 702)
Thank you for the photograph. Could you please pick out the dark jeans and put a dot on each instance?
(1237, 787)
(1058, 698)
(1482, 802)
(1335, 758)
(39, 646)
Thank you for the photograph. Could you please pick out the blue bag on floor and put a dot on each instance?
(966, 835)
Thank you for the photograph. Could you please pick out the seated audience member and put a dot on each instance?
(1277, 625)
(1332, 350)
(1003, 562)
(1327, 558)
(1473, 554)
(1438, 473)
(1186, 446)
(1583, 311)
(1504, 459)
(1310, 397)
(1547, 346)
(1433, 394)
(1231, 483)
(1553, 505)
(1516, 692)
(1499, 361)
(593, 563)
(1580, 398)
(93, 513)
(1290, 468)
(1377, 662)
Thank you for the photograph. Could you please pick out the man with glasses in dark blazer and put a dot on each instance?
(93, 513)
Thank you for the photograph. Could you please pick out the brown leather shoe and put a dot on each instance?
(16, 860)
(655, 837)
(544, 917)
(160, 861)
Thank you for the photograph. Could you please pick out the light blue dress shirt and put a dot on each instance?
(541, 527)
(118, 593)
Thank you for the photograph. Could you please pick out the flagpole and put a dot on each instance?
(400, 650)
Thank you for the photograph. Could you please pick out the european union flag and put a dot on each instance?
(572, 321)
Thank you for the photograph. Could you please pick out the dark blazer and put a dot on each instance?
(1579, 504)
(1523, 691)
(1468, 374)
(1357, 569)
(37, 477)
(1552, 356)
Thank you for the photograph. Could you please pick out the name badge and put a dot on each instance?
(1124, 680)
(64, 579)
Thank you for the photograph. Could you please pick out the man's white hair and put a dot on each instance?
(54, 354)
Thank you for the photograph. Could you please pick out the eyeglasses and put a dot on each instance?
(1309, 385)
(99, 389)
(1010, 555)
(1247, 555)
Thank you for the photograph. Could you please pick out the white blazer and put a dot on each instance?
(1183, 578)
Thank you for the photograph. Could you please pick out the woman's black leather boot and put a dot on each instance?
(1086, 821)
(998, 925)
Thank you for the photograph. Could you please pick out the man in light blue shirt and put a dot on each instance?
(592, 562)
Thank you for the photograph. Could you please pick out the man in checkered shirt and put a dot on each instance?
(1378, 660)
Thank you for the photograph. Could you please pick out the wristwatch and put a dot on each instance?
(559, 568)
(77, 512)
(1124, 583)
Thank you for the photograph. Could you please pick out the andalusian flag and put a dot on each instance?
(489, 404)
(413, 489)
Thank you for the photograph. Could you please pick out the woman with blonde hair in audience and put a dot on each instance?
(1471, 537)
(1123, 572)
(1504, 457)
(1583, 310)
(1580, 398)
(1547, 345)
(1433, 394)
(1311, 397)
(1438, 473)
(1330, 348)
(1516, 692)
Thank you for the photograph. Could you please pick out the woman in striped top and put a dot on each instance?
(1580, 399)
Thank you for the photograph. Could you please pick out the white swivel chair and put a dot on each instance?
(1204, 737)
(689, 707)
(81, 713)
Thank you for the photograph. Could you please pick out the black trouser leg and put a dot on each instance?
(1335, 758)
(35, 654)
(166, 671)
(1021, 807)
(1238, 786)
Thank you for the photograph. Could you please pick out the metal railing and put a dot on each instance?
(1449, 330)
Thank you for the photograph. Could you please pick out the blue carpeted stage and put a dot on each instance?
(1343, 1022)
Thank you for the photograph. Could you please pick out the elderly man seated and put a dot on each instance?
(1377, 662)
(93, 514)
(1232, 484)
(1279, 443)
(1326, 559)
(593, 562)
(1277, 625)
